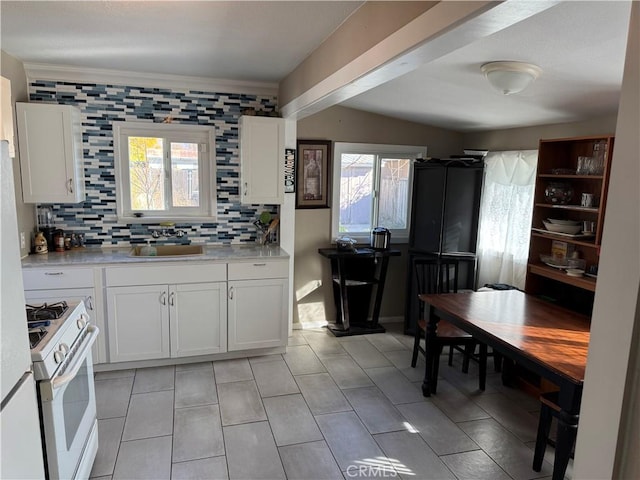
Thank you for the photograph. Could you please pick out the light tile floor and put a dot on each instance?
(330, 408)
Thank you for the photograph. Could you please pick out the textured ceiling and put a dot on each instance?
(579, 45)
(251, 41)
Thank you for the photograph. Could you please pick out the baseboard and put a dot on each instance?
(302, 326)
(391, 320)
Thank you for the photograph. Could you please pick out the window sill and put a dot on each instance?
(156, 220)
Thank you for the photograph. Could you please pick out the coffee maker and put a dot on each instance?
(45, 225)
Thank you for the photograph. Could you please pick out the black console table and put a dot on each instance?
(356, 274)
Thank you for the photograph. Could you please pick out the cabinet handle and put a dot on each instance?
(246, 188)
(231, 293)
(90, 302)
(53, 273)
(163, 298)
(259, 264)
(171, 298)
(71, 185)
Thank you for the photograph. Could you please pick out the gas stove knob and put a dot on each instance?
(81, 322)
(64, 348)
(58, 356)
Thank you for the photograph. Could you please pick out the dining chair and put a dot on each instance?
(441, 276)
(549, 408)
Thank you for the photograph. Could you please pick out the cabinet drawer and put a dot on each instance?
(165, 274)
(258, 270)
(52, 278)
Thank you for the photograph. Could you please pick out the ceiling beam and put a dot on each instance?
(440, 30)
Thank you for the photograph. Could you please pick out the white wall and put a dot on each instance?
(608, 436)
(313, 300)
(527, 138)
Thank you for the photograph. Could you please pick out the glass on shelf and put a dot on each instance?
(585, 165)
(599, 158)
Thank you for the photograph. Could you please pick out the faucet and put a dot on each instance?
(166, 232)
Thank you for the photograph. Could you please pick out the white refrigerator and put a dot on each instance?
(20, 436)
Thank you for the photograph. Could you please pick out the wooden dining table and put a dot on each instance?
(544, 338)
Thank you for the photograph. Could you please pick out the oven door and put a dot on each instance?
(68, 403)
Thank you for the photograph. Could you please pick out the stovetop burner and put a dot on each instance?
(46, 311)
(35, 336)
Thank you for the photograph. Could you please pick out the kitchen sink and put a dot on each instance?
(169, 251)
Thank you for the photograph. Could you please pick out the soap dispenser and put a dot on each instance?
(148, 250)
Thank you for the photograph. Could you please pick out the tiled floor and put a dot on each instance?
(330, 408)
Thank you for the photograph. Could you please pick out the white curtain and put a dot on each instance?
(505, 217)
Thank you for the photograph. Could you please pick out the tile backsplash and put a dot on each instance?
(103, 104)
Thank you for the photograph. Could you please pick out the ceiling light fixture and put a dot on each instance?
(510, 77)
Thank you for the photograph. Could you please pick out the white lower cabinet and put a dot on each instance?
(198, 319)
(156, 312)
(258, 307)
(154, 321)
(138, 322)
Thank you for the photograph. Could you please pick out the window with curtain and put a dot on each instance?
(505, 217)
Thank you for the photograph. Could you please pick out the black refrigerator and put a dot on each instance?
(444, 221)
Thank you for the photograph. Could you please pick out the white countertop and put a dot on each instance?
(121, 255)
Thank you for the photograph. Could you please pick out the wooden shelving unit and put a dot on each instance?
(562, 154)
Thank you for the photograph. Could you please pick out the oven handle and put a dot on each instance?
(80, 357)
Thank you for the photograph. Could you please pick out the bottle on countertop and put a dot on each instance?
(40, 244)
(58, 240)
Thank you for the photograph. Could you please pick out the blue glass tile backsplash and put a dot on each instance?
(103, 104)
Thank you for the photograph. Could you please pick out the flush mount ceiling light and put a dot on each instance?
(510, 77)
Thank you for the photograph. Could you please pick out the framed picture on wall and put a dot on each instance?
(312, 173)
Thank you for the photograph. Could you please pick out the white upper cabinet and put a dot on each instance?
(50, 144)
(261, 160)
(6, 115)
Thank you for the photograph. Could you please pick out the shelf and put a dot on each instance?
(586, 283)
(575, 241)
(574, 208)
(356, 283)
(558, 162)
(577, 177)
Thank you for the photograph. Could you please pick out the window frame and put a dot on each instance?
(380, 151)
(176, 133)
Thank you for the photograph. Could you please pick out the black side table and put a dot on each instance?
(356, 274)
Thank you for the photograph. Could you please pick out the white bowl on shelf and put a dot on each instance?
(575, 272)
(568, 229)
(557, 221)
(554, 262)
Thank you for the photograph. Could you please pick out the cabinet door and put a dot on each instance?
(257, 313)
(198, 319)
(87, 295)
(427, 208)
(445, 209)
(461, 209)
(50, 143)
(261, 160)
(138, 321)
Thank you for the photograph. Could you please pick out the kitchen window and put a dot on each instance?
(371, 188)
(164, 171)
